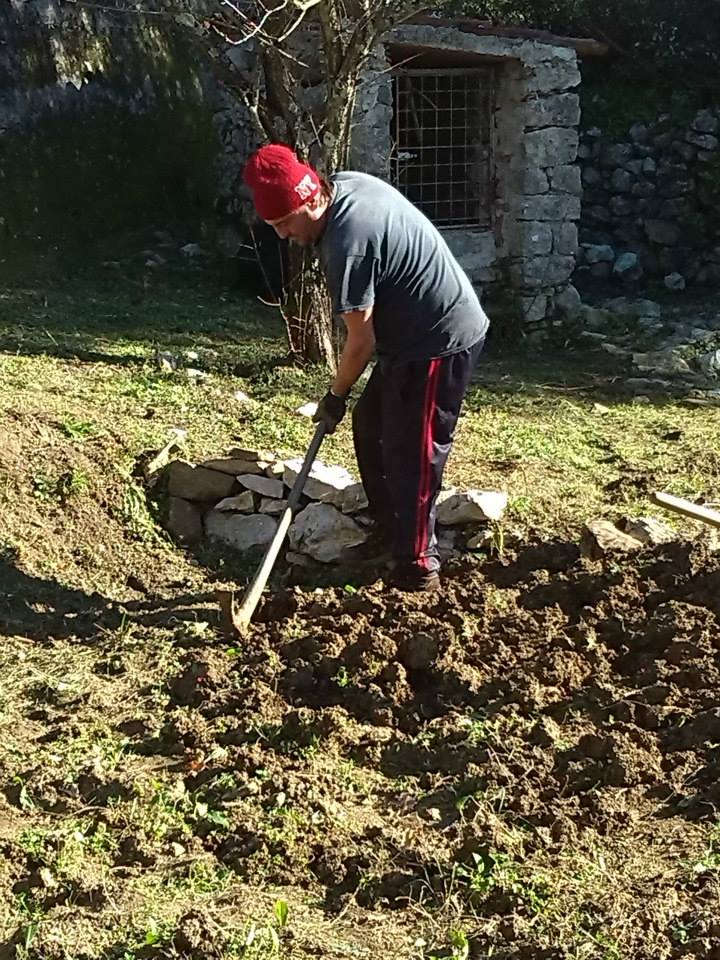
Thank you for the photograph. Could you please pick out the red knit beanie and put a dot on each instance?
(280, 183)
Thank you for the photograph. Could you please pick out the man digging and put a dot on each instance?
(402, 295)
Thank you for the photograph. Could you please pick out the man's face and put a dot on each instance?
(299, 227)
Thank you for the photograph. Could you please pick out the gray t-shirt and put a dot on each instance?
(380, 251)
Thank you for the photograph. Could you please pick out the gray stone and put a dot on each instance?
(184, 520)
(601, 537)
(634, 167)
(631, 309)
(668, 363)
(649, 531)
(539, 272)
(661, 231)
(272, 507)
(262, 485)
(600, 253)
(471, 506)
(599, 213)
(322, 532)
(616, 155)
(638, 133)
(556, 110)
(622, 206)
(533, 238)
(585, 152)
(643, 188)
(705, 122)
(354, 498)
(628, 267)
(326, 483)
(192, 251)
(674, 188)
(591, 176)
(566, 179)
(197, 483)
(551, 76)
(705, 141)
(647, 385)
(568, 302)
(534, 309)
(550, 207)
(705, 156)
(649, 165)
(536, 181)
(233, 466)
(240, 531)
(550, 147)
(675, 281)
(621, 181)
(684, 150)
(241, 503)
(709, 363)
(614, 350)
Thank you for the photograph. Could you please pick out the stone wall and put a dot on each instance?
(103, 117)
(650, 203)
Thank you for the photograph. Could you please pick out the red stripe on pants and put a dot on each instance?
(426, 458)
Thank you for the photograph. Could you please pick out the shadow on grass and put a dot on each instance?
(46, 610)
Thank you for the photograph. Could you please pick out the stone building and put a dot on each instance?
(479, 128)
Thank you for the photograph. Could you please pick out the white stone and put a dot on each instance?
(240, 531)
(324, 483)
(272, 507)
(307, 409)
(481, 541)
(322, 532)
(601, 537)
(470, 506)
(649, 530)
(241, 503)
(262, 485)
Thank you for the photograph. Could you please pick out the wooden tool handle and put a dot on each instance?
(687, 508)
(242, 616)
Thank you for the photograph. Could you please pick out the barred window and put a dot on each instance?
(442, 144)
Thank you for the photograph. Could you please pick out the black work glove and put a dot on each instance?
(330, 411)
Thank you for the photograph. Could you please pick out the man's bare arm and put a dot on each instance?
(358, 350)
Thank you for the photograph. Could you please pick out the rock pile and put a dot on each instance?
(236, 499)
(650, 202)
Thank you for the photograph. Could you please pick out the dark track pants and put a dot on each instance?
(403, 427)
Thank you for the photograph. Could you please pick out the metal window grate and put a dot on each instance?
(442, 144)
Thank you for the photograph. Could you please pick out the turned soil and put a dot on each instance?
(531, 756)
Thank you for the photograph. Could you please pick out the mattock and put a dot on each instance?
(687, 508)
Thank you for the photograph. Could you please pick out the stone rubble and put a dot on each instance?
(650, 203)
(240, 510)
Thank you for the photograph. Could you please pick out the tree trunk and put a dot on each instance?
(308, 312)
